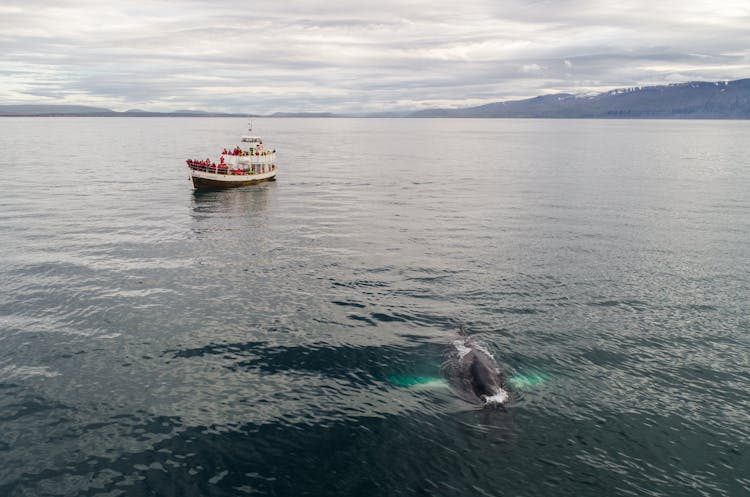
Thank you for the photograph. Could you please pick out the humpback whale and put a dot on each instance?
(473, 371)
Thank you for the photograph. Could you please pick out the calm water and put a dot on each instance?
(157, 341)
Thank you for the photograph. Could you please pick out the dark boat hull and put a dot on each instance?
(209, 183)
(208, 180)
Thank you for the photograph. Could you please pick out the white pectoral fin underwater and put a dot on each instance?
(526, 381)
(406, 381)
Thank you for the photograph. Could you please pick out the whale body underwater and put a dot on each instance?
(474, 373)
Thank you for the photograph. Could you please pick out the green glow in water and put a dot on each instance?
(412, 381)
(530, 380)
(517, 381)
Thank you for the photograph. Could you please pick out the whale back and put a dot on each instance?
(484, 374)
(475, 374)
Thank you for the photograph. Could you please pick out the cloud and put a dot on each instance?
(531, 68)
(356, 56)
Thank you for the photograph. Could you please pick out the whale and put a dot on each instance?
(475, 374)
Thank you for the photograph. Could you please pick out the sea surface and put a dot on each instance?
(287, 338)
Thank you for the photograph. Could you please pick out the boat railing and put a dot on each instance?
(229, 171)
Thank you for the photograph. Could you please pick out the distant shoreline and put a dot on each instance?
(720, 100)
(553, 118)
(342, 116)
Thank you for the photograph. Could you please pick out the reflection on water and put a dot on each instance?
(248, 200)
(286, 338)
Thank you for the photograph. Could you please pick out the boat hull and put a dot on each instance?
(203, 179)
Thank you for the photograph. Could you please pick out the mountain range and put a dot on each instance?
(693, 100)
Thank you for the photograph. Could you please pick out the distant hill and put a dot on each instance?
(84, 111)
(695, 100)
(302, 114)
(60, 110)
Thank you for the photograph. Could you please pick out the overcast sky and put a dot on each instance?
(326, 55)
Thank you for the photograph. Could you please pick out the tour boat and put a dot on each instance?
(236, 167)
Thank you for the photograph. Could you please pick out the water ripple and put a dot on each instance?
(287, 338)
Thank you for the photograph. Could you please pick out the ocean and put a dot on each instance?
(288, 338)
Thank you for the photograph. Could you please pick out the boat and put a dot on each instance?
(236, 167)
